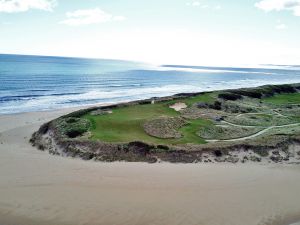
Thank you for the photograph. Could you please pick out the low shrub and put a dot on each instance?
(72, 127)
(252, 93)
(230, 96)
(261, 152)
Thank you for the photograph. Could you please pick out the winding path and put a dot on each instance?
(278, 113)
(271, 114)
(253, 135)
(238, 125)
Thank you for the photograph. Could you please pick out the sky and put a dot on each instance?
(186, 32)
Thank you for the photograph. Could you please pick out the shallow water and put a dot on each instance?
(35, 83)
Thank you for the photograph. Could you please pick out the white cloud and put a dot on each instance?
(89, 16)
(279, 5)
(195, 3)
(202, 5)
(119, 18)
(12, 6)
(281, 26)
(218, 7)
(6, 23)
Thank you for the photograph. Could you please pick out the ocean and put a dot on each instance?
(40, 83)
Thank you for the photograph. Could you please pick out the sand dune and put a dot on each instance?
(37, 188)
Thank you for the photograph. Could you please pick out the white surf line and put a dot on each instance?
(254, 135)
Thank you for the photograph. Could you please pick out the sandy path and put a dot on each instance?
(39, 189)
(243, 114)
(238, 125)
(279, 114)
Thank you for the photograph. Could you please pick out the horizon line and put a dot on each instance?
(160, 65)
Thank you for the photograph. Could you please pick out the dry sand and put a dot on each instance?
(178, 106)
(39, 189)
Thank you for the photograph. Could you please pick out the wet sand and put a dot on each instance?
(39, 189)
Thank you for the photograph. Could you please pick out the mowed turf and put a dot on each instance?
(126, 125)
(283, 99)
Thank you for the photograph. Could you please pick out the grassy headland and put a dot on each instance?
(189, 122)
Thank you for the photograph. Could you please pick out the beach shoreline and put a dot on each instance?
(37, 188)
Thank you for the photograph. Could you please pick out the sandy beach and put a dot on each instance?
(37, 188)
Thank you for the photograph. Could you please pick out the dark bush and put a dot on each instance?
(139, 147)
(74, 133)
(217, 105)
(87, 155)
(271, 90)
(283, 89)
(252, 93)
(145, 102)
(44, 128)
(71, 120)
(163, 147)
(218, 153)
(265, 91)
(230, 96)
(202, 105)
(261, 152)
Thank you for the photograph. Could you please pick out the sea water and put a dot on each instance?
(39, 83)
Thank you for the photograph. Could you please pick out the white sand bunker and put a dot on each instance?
(178, 106)
(99, 112)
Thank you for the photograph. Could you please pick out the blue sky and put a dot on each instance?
(198, 32)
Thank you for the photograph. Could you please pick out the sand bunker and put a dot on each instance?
(178, 106)
(99, 112)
